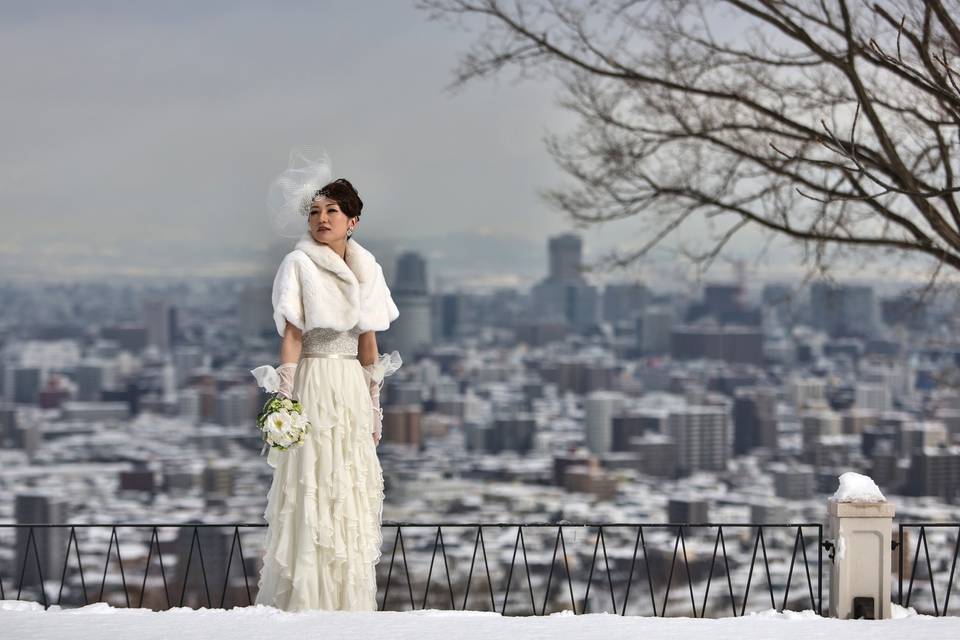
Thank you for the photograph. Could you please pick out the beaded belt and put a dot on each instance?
(328, 355)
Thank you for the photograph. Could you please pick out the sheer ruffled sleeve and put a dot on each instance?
(286, 296)
(385, 364)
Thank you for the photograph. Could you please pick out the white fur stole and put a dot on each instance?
(315, 287)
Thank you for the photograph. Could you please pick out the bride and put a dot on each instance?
(325, 503)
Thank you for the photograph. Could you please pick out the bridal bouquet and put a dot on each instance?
(282, 422)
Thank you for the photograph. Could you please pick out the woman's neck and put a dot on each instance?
(339, 248)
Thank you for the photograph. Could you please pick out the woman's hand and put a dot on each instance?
(376, 438)
(286, 372)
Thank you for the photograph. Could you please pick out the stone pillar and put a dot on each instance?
(860, 574)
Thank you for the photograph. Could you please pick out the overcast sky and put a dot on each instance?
(144, 135)
(139, 138)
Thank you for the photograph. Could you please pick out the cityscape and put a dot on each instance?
(565, 403)
(655, 304)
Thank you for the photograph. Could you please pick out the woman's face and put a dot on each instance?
(327, 222)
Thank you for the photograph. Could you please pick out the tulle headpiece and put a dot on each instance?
(292, 192)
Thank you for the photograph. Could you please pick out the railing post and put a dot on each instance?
(860, 573)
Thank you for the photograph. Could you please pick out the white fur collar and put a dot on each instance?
(358, 269)
(317, 288)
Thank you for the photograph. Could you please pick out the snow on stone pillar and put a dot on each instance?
(861, 521)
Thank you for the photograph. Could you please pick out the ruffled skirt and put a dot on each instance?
(325, 503)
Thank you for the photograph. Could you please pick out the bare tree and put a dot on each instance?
(831, 122)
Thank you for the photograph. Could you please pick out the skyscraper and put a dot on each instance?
(565, 293)
(566, 257)
(412, 331)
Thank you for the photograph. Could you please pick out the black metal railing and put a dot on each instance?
(656, 558)
(677, 537)
(946, 553)
(37, 582)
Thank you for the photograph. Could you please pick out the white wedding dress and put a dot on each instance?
(325, 503)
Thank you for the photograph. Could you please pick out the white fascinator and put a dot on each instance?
(290, 193)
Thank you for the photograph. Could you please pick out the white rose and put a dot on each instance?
(277, 423)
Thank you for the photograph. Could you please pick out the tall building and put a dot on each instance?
(658, 455)
(9, 429)
(627, 427)
(918, 436)
(89, 379)
(575, 304)
(512, 433)
(600, 407)
(411, 275)
(843, 310)
(218, 479)
(565, 293)
(37, 507)
(188, 403)
(856, 420)
(872, 396)
(236, 405)
(723, 300)
(681, 511)
(905, 310)
(186, 358)
(212, 544)
(754, 419)
(450, 315)
(624, 301)
(793, 482)
(807, 392)
(582, 305)
(160, 319)
(26, 384)
(566, 258)
(702, 437)
(590, 478)
(256, 311)
(935, 472)
(412, 331)
(654, 327)
(401, 424)
(819, 423)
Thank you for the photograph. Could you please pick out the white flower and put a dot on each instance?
(285, 428)
(276, 423)
(300, 421)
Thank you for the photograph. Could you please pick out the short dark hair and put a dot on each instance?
(344, 194)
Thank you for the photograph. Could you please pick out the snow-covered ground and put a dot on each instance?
(28, 621)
